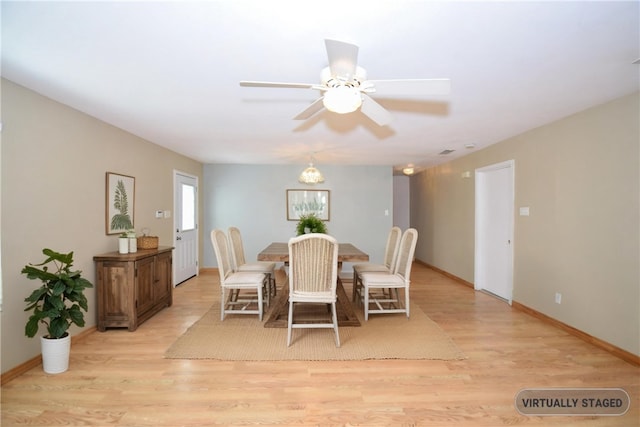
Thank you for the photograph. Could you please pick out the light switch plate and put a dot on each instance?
(524, 211)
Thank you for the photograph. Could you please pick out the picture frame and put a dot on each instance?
(119, 203)
(305, 202)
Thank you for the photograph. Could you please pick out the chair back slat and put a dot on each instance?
(391, 249)
(406, 253)
(313, 263)
(237, 249)
(223, 258)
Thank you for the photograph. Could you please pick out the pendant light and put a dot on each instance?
(311, 175)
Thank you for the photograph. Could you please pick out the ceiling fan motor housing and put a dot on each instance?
(330, 80)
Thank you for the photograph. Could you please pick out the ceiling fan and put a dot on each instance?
(345, 88)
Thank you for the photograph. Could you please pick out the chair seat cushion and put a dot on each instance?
(382, 280)
(369, 267)
(263, 267)
(244, 278)
(312, 297)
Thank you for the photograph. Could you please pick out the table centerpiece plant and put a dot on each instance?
(310, 224)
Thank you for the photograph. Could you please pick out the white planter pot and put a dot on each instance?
(55, 354)
(123, 245)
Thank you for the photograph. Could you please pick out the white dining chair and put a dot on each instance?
(313, 278)
(245, 288)
(390, 255)
(240, 263)
(397, 280)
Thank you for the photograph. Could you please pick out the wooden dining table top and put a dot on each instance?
(279, 252)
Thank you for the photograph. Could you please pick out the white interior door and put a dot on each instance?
(185, 259)
(494, 229)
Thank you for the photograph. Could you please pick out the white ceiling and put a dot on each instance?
(169, 71)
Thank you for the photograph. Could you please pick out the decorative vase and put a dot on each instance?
(55, 354)
(133, 244)
(123, 245)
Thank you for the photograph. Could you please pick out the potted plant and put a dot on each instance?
(57, 304)
(310, 224)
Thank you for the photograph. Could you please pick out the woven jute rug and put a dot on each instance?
(244, 337)
(279, 312)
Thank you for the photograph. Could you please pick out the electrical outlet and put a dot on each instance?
(558, 298)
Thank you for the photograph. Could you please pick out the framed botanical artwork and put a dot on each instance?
(120, 203)
(305, 202)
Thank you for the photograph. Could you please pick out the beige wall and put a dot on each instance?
(580, 178)
(54, 161)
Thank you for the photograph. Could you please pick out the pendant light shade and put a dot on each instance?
(408, 170)
(311, 176)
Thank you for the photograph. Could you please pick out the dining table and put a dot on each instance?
(279, 252)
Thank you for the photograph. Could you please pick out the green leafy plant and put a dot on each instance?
(60, 300)
(122, 220)
(310, 224)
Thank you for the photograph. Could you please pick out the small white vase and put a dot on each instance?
(133, 244)
(123, 245)
(55, 354)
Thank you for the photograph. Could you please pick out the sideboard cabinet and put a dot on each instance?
(130, 288)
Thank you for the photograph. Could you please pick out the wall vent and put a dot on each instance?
(445, 152)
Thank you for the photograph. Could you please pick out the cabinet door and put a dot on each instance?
(114, 294)
(163, 286)
(144, 284)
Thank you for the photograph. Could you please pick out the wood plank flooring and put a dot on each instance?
(120, 378)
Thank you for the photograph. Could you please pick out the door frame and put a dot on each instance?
(173, 224)
(480, 203)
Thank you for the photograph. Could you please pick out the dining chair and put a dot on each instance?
(240, 264)
(390, 255)
(398, 279)
(237, 283)
(313, 278)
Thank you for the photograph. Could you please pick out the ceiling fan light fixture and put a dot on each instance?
(342, 99)
(311, 176)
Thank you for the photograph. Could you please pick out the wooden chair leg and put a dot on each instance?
(334, 316)
(290, 322)
(354, 287)
(223, 303)
(260, 306)
(366, 303)
(406, 299)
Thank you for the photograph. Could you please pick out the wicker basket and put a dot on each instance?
(147, 242)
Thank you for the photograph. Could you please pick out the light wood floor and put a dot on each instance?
(121, 378)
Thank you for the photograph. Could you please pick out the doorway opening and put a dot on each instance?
(494, 229)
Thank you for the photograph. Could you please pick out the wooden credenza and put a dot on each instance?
(130, 288)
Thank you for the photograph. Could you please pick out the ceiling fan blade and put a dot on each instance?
(343, 58)
(315, 106)
(276, 84)
(375, 111)
(408, 87)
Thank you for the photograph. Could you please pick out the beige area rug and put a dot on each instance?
(244, 337)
